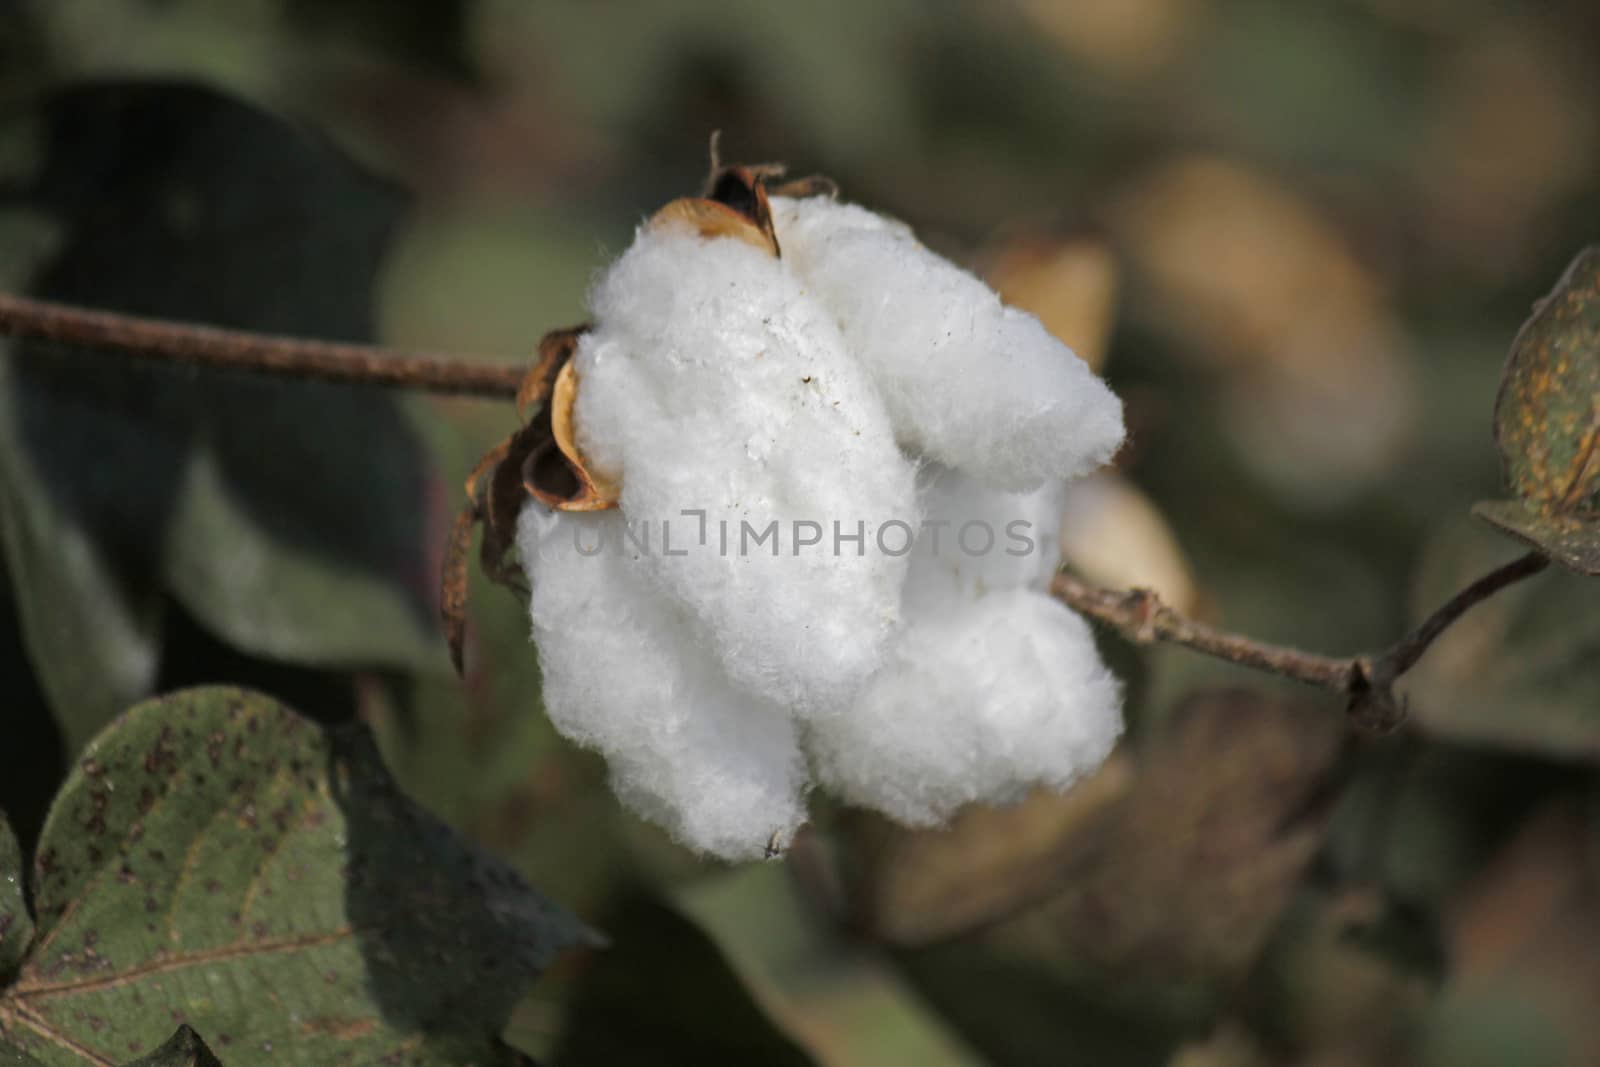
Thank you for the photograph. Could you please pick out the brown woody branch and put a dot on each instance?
(289, 357)
(1367, 681)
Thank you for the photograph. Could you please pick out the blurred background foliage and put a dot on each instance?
(1298, 238)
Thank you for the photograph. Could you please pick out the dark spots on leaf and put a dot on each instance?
(161, 758)
(337, 1028)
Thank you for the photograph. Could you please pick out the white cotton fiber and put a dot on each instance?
(977, 539)
(978, 703)
(712, 382)
(624, 674)
(967, 381)
(746, 405)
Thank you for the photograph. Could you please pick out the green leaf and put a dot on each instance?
(842, 1002)
(1547, 422)
(1518, 670)
(1571, 540)
(16, 926)
(184, 1049)
(290, 518)
(217, 860)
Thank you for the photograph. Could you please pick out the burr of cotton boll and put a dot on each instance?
(719, 769)
(967, 381)
(723, 399)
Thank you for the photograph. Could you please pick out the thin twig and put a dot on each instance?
(1139, 614)
(1403, 655)
(208, 346)
(1366, 680)
(1141, 617)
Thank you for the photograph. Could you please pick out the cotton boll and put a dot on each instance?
(713, 383)
(967, 381)
(720, 770)
(980, 703)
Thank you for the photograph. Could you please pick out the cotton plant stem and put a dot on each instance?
(1138, 614)
(1366, 681)
(288, 357)
(1403, 655)
(1141, 617)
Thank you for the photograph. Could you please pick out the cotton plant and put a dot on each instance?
(787, 511)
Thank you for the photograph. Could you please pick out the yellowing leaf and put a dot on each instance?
(1547, 422)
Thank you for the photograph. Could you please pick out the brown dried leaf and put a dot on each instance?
(923, 886)
(1173, 892)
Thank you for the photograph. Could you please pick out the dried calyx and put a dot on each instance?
(541, 459)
